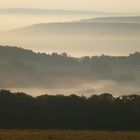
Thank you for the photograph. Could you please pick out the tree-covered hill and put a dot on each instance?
(25, 68)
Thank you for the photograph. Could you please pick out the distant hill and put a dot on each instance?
(34, 11)
(24, 68)
(81, 28)
(122, 19)
(110, 25)
(77, 38)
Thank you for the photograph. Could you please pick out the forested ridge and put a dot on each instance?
(25, 68)
(99, 112)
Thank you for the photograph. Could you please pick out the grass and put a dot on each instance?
(67, 135)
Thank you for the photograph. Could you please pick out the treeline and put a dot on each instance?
(99, 112)
(34, 69)
(13, 53)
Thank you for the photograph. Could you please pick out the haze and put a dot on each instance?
(79, 28)
(95, 5)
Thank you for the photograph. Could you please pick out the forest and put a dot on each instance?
(97, 112)
(22, 68)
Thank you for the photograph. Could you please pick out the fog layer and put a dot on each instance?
(39, 73)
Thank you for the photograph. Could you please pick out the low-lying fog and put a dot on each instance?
(87, 89)
(35, 73)
(76, 38)
(40, 73)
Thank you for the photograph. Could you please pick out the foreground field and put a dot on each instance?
(66, 135)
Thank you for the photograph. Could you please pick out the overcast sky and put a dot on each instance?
(95, 5)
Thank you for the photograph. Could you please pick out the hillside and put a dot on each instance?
(81, 28)
(35, 11)
(20, 68)
(122, 19)
(95, 38)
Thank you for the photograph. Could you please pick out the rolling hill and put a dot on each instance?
(23, 69)
(122, 19)
(35, 11)
(112, 25)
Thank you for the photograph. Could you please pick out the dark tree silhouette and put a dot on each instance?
(100, 112)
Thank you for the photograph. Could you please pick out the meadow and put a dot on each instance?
(68, 135)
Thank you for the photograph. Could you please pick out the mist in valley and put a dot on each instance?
(101, 52)
(77, 38)
(41, 73)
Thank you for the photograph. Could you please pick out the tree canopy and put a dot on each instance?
(99, 112)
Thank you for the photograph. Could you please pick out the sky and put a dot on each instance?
(95, 5)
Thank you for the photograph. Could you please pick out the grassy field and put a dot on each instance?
(67, 135)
